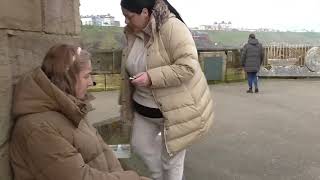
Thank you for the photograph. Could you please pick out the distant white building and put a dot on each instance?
(221, 26)
(86, 21)
(205, 27)
(99, 20)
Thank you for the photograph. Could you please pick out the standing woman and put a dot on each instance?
(252, 56)
(163, 89)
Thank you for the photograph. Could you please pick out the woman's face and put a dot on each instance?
(84, 81)
(136, 22)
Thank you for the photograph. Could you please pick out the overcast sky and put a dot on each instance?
(275, 14)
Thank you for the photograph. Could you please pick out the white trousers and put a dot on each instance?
(149, 145)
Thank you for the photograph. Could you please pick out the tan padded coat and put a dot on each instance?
(179, 86)
(52, 140)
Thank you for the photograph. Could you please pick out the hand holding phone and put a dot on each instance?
(135, 76)
(141, 79)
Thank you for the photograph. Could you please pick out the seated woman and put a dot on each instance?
(52, 140)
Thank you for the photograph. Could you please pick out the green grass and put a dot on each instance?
(238, 38)
(228, 38)
(106, 38)
(101, 38)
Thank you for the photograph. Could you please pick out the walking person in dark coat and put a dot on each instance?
(251, 59)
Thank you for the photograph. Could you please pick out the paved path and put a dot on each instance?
(106, 106)
(273, 135)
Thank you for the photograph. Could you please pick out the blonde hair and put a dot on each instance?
(63, 63)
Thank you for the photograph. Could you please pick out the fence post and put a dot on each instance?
(265, 58)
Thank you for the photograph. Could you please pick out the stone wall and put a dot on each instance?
(27, 30)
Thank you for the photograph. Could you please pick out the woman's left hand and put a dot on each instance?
(141, 79)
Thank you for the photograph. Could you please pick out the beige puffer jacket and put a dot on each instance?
(178, 84)
(51, 139)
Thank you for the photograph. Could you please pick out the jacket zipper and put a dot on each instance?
(164, 128)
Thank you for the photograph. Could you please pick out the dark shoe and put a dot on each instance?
(249, 91)
(256, 90)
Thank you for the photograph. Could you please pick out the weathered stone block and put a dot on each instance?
(76, 5)
(5, 106)
(61, 17)
(27, 50)
(5, 170)
(3, 47)
(22, 15)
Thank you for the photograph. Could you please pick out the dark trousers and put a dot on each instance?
(252, 79)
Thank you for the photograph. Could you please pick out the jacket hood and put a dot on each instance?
(160, 13)
(36, 94)
(253, 41)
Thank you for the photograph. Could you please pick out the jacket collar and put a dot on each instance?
(35, 93)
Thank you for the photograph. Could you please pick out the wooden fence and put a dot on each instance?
(294, 54)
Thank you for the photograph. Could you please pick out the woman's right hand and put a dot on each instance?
(141, 79)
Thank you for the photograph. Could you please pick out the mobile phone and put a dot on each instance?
(135, 77)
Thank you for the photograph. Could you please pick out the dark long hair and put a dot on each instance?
(173, 10)
(136, 6)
